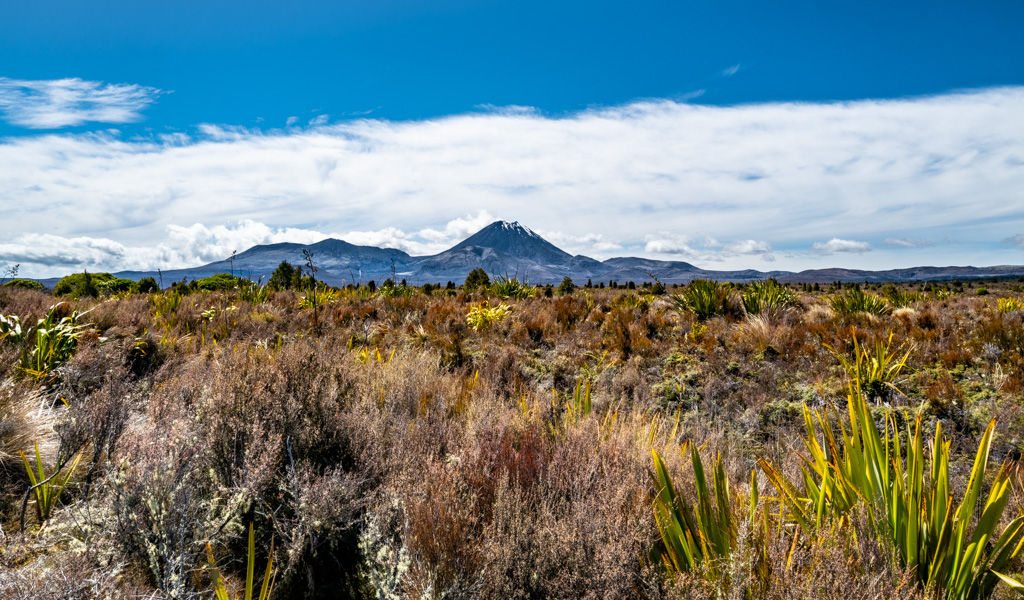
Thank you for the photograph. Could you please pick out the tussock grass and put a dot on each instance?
(767, 297)
(856, 300)
(705, 298)
(24, 421)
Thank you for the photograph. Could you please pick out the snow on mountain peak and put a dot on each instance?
(516, 227)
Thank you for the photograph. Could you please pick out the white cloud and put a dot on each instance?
(392, 237)
(591, 244)
(291, 121)
(319, 120)
(56, 103)
(687, 96)
(51, 255)
(459, 229)
(508, 110)
(199, 243)
(778, 177)
(894, 242)
(744, 247)
(731, 70)
(665, 243)
(838, 245)
(52, 250)
(705, 248)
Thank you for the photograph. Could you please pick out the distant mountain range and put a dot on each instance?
(510, 249)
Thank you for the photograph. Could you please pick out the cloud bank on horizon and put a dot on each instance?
(863, 184)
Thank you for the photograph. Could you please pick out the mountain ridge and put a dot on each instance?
(511, 249)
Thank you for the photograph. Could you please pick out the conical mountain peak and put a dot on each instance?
(516, 240)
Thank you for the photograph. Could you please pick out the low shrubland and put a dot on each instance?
(721, 441)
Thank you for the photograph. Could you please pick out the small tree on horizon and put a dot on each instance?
(283, 277)
(476, 278)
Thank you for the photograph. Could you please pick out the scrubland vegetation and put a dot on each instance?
(710, 441)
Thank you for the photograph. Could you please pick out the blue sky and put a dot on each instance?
(731, 134)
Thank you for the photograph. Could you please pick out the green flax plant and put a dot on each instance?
(1005, 305)
(53, 343)
(854, 300)
(704, 298)
(767, 297)
(581, 405)
(704, 536)
(253, 292)
(633, 300)
(318, 295)
(482, 315)
(47, 488)
(901, 298)
(267, 586)
(510, 288)
(10, 329)
(909, 499)
(164, 307)
(390, 290)
(874, 371)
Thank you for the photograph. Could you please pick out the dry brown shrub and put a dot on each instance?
(442, 536)
(502, 374)
(504, 451)
(570, 309)
(576, 533)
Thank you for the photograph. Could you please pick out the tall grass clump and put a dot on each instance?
(900, 298)
(1005, 305)
(267, 586)
(874, 372)
(703, 297)
(47, 488)
(164, 307)
(854, 300)
(482, 315)
(767, 297)
(510, 288)
(253, 292)
(10, 329)
(53, 342)
(690, 537)
(702, 537)
(318, 295)
(909, 496)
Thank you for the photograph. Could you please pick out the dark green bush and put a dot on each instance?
(81, 285)
(218, 282)
(477, 278)
(148, 285)
(283, 277)
(116, 285)
(27, 284)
